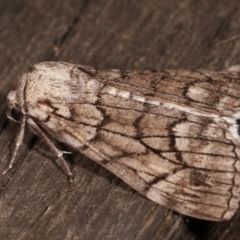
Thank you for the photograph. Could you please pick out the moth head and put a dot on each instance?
(14, 111)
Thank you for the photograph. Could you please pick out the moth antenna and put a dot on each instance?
(18, 142)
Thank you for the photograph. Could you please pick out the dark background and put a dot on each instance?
(152, 34)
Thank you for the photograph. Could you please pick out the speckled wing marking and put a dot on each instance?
(171, 135)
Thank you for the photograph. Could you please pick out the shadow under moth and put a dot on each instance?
(172, 135)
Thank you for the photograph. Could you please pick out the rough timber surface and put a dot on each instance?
(146, 34)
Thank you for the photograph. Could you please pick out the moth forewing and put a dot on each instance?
(171, 135)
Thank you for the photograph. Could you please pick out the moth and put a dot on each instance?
(172, 135)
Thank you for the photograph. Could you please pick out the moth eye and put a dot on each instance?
(15, 114)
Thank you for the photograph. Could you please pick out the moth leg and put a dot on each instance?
(19, 140)
(50, 144)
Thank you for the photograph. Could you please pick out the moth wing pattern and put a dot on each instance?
(171, 135)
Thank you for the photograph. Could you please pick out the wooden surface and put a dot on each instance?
(34, 199)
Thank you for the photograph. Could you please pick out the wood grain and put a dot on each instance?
(155, 34)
